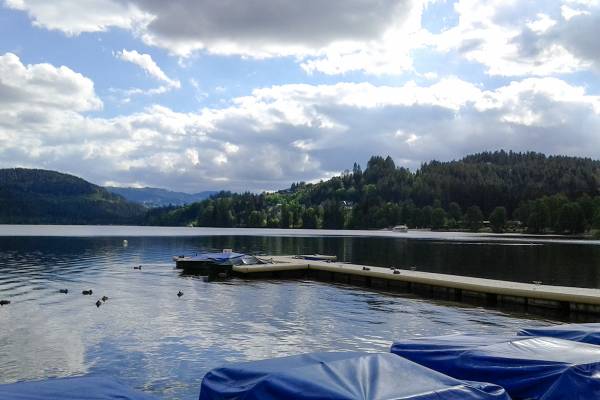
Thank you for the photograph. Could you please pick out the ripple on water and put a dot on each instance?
(157, 342)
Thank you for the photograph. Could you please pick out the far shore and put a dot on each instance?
(125, 231)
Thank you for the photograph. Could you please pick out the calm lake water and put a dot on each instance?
(154, 341)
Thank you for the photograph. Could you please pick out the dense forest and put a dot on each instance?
(34, 196)
(502, 190)
(493, 190)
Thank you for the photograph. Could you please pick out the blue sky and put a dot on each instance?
(254, 95)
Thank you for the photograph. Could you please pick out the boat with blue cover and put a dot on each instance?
(340, 376)
(584, 333)
(542, 368)
(73, 388)
(213, 263)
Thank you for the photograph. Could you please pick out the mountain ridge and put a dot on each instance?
(152, 197)
(541, 193)
(41, 196)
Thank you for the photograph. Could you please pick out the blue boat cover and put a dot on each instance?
(585, 333)
(216, 257)
(527, 367)
(339, 376)
(76, 388)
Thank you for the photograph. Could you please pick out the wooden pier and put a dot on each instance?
(489, 292)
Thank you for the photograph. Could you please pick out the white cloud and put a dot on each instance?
(541, 24)
(281, 134)
(331, 37)
(569, 12)
(77, 16)
(146, 62)
(31, 87)
(516, 38)
(508, 37)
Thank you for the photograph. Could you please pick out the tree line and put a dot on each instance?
(502, 190)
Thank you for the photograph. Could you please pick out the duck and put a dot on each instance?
(87, 292)
(104, 298)
(98, 303)
(4, 302)
(180, 293)
(65, 291)
(138, 267)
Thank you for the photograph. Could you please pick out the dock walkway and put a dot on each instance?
(450, 287)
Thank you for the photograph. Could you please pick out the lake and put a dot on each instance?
(154, 341)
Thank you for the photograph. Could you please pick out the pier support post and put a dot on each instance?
(565, 307)
(458, 295)
(491, 299)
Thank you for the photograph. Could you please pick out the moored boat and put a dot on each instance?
(214, 263)
(88, 387)
(528, 367)
(340, 375)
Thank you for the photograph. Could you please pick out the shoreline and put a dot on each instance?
(22, 230)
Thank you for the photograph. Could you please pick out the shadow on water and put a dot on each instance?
(164, 344)
(562, 263)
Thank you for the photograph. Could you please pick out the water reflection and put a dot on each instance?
(163, 344)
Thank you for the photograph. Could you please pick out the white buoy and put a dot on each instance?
(125, 243)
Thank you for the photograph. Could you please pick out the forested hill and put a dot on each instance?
(46, 197)
(505, 179)
(544, 193)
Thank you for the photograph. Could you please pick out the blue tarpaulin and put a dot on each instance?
(527, 367)
(339, 376)
(585, 333)
(216, 257)
(76, 388)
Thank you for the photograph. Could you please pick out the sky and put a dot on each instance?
(194, 95)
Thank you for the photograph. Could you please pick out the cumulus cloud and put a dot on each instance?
(77, 16)
(280, 134)
(193, 24)
(28, 87)
(333, 37)
(512, 38)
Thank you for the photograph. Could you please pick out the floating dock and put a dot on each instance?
(488, 292)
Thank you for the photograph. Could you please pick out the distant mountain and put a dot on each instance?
(36, 196)
(154, 197)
